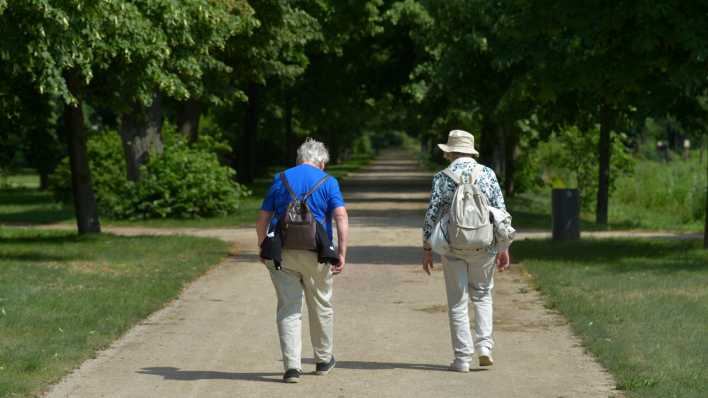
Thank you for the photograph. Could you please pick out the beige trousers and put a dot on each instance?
(302, 275)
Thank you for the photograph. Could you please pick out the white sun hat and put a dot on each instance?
(459, 141)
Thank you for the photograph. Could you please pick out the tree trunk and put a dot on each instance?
(491, 147)
(705, 226)
(333, 145)
(486, 142)
(43, 181)
(603, 188)
(248, 147)
(188, 113)
(140, 131)
(85, 207)
(510, 144)
(290, 139)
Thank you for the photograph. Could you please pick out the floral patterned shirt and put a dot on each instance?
(444, 188)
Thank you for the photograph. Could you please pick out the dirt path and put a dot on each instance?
(219, 339)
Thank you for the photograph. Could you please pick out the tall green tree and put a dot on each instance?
(469, 73)
(56, 45)
(354, 83)
(173, 54)
(610, 57)
(274, 53)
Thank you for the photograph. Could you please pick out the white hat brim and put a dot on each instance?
(447, 148)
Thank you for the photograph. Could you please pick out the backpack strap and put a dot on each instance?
(312, 190)
(476, 172)
(288, 187)
(315, 187)
(452, 176)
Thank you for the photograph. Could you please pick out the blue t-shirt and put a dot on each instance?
(301, 179)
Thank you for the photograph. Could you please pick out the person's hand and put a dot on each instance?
(503, 261)
(337, 269)
(427, 261)
(260, 244)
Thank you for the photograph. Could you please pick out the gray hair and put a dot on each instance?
(312, 151)
(454, 155)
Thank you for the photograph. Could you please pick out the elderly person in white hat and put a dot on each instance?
(471, 275)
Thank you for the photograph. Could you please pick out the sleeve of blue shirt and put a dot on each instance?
(269, 201)
(335, 195)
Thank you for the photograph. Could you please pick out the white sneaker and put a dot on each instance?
(457, 366)
(485, 357)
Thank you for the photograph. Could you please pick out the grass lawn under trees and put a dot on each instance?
(63, 297)
(23, 203)
(641, 306)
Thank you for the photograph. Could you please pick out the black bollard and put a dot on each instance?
(565, 205)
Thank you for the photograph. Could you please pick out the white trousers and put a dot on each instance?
(472, 277)
(302, 275)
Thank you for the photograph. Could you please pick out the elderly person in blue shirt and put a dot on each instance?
(471, 274)
(301, 274)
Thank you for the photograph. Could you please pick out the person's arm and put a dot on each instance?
(262, 228)
(262, 225)
(490, 186)
(432, 215)
(342, 219)
(503, 260)
(267, 211)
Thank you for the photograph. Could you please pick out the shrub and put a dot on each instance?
(108, 175)
(362, 146)
(184, 181)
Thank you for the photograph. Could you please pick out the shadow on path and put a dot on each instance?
(172, 373)
(366, 365)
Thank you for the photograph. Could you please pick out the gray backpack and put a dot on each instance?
(469, 225)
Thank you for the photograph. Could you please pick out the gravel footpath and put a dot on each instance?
(219, 338)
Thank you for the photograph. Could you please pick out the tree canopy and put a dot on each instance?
(265, 74)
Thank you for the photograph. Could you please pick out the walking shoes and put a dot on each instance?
(457, 366)
(324, 368)
(485, 357)
(292, 376)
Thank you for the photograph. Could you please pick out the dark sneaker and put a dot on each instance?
(324, 368)
(292, 376)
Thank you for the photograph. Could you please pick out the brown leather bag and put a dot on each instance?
(298, 227)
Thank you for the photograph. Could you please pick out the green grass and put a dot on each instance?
(29, 205)
(532, 210)
(660, 195)
(656, 196)
(23, 179)
(62, 297)
(26, 204)
(641, 307)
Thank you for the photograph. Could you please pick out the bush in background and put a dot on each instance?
(184, 181)
(108, 175)
(362, 146)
